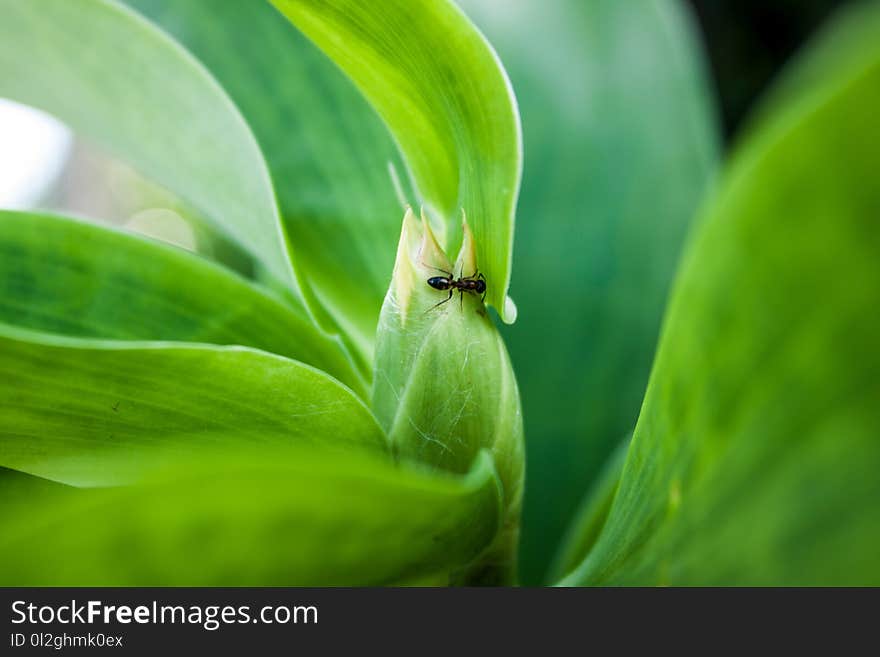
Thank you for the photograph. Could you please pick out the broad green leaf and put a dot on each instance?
(65, 276)
(328, 151)
(755, 458)
(292, 520)
(93, 412)
(443, 387)
(620, 143)
(442, 93)
(146, 100)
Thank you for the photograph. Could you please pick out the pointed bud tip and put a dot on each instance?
(466, 263)
(404, 277)
(430, 255)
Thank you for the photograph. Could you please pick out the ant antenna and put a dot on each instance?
(448, 273)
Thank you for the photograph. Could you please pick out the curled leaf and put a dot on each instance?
(444, 96)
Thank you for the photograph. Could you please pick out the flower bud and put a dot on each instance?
(443, 385)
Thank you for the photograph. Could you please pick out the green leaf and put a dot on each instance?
(442, 93)
(92, 412)
(329, 153)
(443, 387)
(291, 520)
(65, 276)
(146, 100)
(755, 458)
(620, 142)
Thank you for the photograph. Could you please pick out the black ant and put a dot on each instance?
(475, 284)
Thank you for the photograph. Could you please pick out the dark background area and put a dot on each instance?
(749, 42)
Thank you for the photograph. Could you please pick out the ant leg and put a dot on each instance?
(442, 302)
(461, 299)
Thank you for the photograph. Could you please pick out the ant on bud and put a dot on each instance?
(474, 284)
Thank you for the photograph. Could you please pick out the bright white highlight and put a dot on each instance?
(33, 149)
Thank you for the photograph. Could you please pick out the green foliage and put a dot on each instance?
(326, 417)
(755, 457)
(92, 412)
(130, 364)
(73, 278)
(275, 518)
